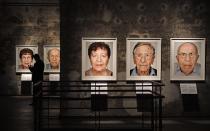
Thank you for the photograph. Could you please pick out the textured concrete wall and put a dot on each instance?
(29, 24)
(25, 23)
(134, 18)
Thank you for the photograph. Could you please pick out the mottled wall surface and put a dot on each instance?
(136, 18)
(22, 23)
(39, 24)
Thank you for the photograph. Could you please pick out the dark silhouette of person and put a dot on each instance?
(37, 74)
(37, 70)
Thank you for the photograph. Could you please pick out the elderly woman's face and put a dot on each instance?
(26, 60)
(99, 59)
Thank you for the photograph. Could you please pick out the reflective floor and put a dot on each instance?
(17, 115)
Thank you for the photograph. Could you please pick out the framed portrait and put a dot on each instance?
(143, 58)
(24, 57)
(187, 59)
(99, 58)
(52, 58)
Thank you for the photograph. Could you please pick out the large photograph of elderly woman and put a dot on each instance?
(99, 59)
(24, 57)
(187, 59)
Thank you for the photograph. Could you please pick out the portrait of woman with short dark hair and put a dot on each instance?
(24, 57)
(99, 59)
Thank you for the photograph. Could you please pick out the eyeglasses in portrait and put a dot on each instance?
(52, 58)
(187, 59)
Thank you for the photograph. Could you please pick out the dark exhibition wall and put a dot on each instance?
(25, 23)
(67, 21)
(144, 19)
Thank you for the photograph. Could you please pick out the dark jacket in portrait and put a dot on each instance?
(152, 72)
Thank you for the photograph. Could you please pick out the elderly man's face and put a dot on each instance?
(187, 58)
(143, 58)
(26, 60)
(54, 58)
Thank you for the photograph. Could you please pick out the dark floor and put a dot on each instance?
(17, 115)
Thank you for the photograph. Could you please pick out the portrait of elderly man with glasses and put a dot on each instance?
(143, 58)
(187, 56)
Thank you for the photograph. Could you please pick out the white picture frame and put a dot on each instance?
(174, 65)
(33, 48)
(130, 44)
(112, 64)
(48, 68)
